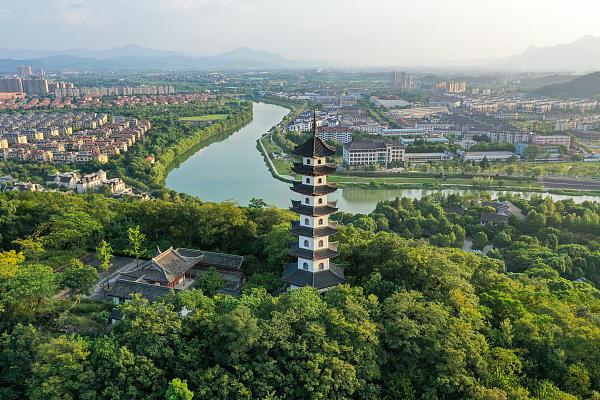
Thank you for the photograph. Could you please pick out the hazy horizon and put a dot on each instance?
(354, 32)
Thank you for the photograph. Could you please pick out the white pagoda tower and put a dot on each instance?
(313, 250)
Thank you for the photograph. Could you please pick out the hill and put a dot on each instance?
(583, 86)
(581, 55)
(132, 57)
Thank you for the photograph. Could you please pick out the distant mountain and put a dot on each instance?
(530, 84)
(583, 86)
(581, 55)
(127, 50)
(133, 57)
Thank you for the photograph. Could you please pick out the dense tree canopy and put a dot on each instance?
(418, 318)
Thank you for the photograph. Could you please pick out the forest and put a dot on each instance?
(418, 318)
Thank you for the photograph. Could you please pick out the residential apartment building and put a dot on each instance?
(555, 140)
(11, 85)
(361, 153)
(335, 134)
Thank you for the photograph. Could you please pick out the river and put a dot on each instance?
(233, 169)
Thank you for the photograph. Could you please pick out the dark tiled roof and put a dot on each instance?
(165, 267)
(489, 217)
(329, 252)
(124, 289)
(319, 280)
(318, 190)
(216, 260)
(365, 145)
(314, 170)
(330, 208)
(314, 232)
(314, 147)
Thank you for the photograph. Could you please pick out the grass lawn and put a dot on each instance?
(209, 117)
(422, 180)
(283, 167)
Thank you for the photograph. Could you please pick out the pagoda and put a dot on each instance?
(314, 228)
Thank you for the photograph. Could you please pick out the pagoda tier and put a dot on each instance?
(314, 147)
(320, 280)
(313, 170)
(319, 190)
(318, 254)
(299, 208)
(307, 231)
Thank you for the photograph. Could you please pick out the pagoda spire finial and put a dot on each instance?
(314, 130)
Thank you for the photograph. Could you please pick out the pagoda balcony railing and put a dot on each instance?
(315, 211)
(317, 254)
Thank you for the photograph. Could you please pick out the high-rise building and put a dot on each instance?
(313, 249)
(401, 80)
(24, 70)
(11, 85)
(37, 87)
(457, 86)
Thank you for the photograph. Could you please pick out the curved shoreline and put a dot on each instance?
(399, 185)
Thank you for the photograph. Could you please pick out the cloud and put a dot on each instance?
(79, 13)
(204, 5)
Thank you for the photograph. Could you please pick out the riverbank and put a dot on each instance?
(181, 149)
(281, 168)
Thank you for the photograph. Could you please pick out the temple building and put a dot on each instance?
(313, 249)
(176, 269)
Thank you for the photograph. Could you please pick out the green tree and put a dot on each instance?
(136, 243)
(120, 374)
(104, 256)
(79, 278)
(210, 282)
(17, 352)
(31, 247)
(480, 240)
(178, 390)
(61, 370)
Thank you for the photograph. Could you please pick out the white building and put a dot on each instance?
(478, 156)
(359, 153)
(424, 158)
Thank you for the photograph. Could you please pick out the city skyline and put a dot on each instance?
(366, 35)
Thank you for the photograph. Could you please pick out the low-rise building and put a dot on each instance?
(479, 156)
(370, 152)
(335, 134)
(424, 158)
(173, 270)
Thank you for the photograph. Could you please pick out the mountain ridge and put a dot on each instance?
(131, 57)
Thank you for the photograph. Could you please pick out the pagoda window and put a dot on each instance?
(306, 200)
(320, 180)
(307, 180)
(305, 265)
(320, 201)
(306, 243)
(320, 243)
(306, 222)
(321, 266)
(308, 161)
(320, 221)
(319, 161)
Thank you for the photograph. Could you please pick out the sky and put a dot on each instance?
(354, 32)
